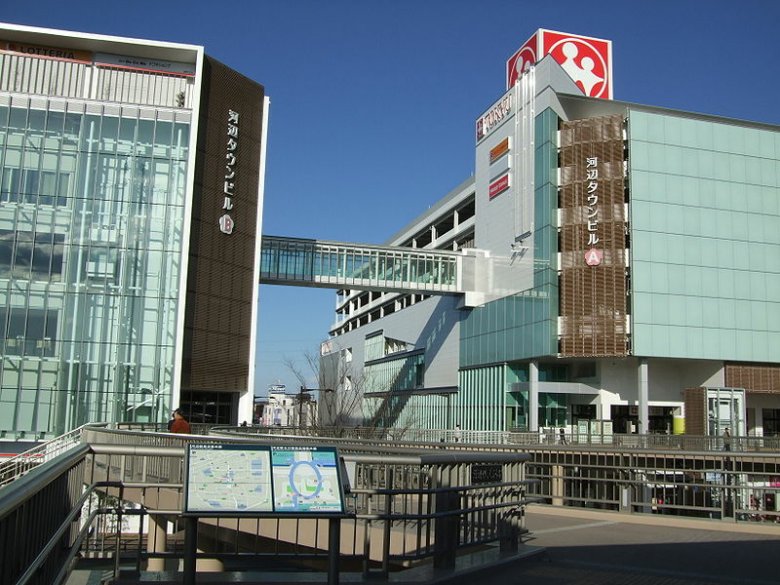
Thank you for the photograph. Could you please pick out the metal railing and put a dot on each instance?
(407, 506)
(18, 465)
(484, 439)
(727, 485)
(37, 521)
(410, 501)
(684, 475)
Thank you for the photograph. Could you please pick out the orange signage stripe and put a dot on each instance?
(499, 150)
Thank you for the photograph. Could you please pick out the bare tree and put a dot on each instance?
(338, 396)
(349, 400)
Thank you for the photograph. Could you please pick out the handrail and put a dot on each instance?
(405, 485)
(60, 532)
(26, 486)
(13, 468)
(459, 438)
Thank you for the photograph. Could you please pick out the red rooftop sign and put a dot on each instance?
(587, 60)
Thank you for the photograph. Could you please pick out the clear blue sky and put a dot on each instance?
(373, 103)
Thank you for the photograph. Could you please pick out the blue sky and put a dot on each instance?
(373, 103)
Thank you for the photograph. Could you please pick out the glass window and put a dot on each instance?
(9, 184)
(6, 252)
(54, 124)
(71, 131)
(18, 119)
(42, 255)
(23, 254)
(145, 138)
(162, 138)
(15, 333)
(3, 117)
(127, 128)
(181, 137)
(109, 130)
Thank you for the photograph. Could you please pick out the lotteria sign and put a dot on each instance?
(587, 60)
(47, 52)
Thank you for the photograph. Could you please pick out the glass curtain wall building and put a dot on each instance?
(92, 204)
(102, 246)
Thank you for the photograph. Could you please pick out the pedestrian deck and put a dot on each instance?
(571, 546)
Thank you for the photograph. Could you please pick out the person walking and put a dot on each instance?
(180, 424)
(562, 434)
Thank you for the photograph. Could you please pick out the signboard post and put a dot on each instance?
(235, 480)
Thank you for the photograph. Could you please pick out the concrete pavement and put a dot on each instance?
(584, 547)
(573, 546)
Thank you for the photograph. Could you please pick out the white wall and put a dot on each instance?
(667, 379)
(432, 324)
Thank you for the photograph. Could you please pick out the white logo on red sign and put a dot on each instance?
(522, 61)
(593, 257)
(585, 60)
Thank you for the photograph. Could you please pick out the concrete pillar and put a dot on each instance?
(557, 485)
(208, 565)
(533, 396)
(156, 541)
(642, 390)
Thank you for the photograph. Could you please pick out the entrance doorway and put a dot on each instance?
(625, 419)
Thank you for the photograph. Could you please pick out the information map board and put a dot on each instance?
(228, 479)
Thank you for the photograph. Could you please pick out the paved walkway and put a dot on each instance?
(591, 547)
(584, 547)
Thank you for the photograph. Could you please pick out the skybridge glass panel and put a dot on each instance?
(293, 260)
(287, 259)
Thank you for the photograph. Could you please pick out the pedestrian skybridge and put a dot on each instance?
(472, 273)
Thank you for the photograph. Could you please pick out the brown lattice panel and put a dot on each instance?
(593, 302)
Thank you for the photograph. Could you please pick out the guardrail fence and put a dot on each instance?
(124, 506)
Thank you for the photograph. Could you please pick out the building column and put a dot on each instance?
(533, 396)
(156, 541)
(642, 389)
(246, 407)
(759, 423)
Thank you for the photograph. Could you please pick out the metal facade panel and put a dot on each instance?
(218, 322)
(762, 378)
(695, 411)
(593, 306)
